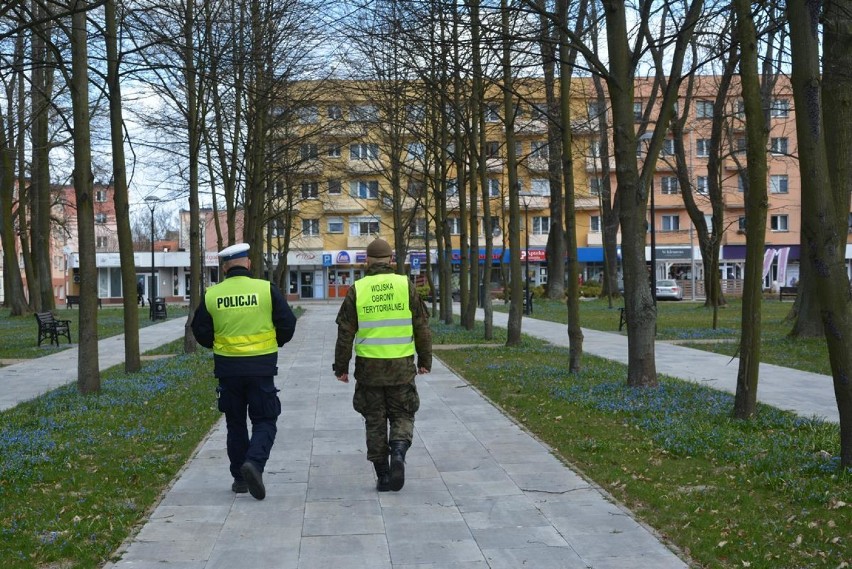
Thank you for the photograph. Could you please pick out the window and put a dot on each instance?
(279, 189)
(308, 152)
(850, 222)
(540, 149)
(596, 186)
(310, 227)
(704, 109)
(363, 151)
(307, 115)
(418, 226)
(540, 186)
(334, 112)
(101, 196)
(740, 109)
(778, 184)
(637, 111)
(415, 189)
(416, 151)
(541, 225)
(334, 151)
(780, 108)
(455, 225)
(310, 190)
(741, 223)
(702, 185)
(100, 218)
(494, 187)
(496, 228)
(415, 113)
(363, 226)
(671, 223)
(335, 224)
(276, 228)
(669, 185)
(492, 112)
(334, 187)
(595, 223)
(668, 147)
(452, 187)
(703, 148)
(519, 148)
(101, 242)
(740, 145)
(538, 112)
(363, 113)
(742, 183)
(364, 189)
(778, 145)
(778, 223)
(492, 149)
(594, 109)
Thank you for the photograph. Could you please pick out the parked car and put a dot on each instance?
(669, 289)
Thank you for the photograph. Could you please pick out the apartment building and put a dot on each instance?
(343, 185)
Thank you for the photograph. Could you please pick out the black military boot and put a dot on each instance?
(382, 475)
(397, 464)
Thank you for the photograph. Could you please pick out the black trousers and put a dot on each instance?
(256, 399)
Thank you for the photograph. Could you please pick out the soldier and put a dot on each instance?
(388, 322)
(245, 321)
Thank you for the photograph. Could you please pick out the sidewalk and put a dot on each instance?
(480, 492)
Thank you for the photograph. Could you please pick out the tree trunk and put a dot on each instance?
(513, 331)
(132, 361)
(824, 190)
(575, 333)
(88, 369)
(194, 142)
(745, 399)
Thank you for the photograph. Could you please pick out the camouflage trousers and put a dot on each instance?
(384, 405)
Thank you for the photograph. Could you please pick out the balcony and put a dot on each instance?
(536, 164)
(343, 204)
(359, 241)
(370, 166)
(344, 130)
(313, 166)
(594, 164)
(536, 126)
(408, 203)
(307, 242)
(535, 203)
(494, 164)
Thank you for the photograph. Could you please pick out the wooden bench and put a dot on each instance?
(49, 328)
(73, 299)
(787, 291)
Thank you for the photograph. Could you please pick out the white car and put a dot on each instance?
(669, 289)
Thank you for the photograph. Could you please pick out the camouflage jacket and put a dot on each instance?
(373, 371)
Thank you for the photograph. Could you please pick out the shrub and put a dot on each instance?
(591, 290)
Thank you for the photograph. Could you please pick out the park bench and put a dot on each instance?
(49, 328)
(787, 291)
(73, 299)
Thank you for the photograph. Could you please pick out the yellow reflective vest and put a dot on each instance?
(384, 317)
(241, 308)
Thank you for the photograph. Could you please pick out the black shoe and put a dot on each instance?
(382, 476)
(397, 465)
(254, 480)
(239, 487)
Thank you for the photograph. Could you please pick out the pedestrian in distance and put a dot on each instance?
(140, 293)
(245, 320)
(385, 318)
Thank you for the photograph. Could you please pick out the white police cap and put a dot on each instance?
(234, 252)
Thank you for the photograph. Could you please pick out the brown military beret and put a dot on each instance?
(379, 248)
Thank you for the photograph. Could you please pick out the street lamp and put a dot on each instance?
(526, 198)
(646, 139)
(152, 202)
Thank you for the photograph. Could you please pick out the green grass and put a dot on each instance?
(78, 473)
(691, 324)
(18, 334)
(765, 493)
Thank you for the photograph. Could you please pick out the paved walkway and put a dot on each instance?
(480, 492)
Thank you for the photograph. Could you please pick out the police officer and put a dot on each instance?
(245, 321)
(387, 321)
